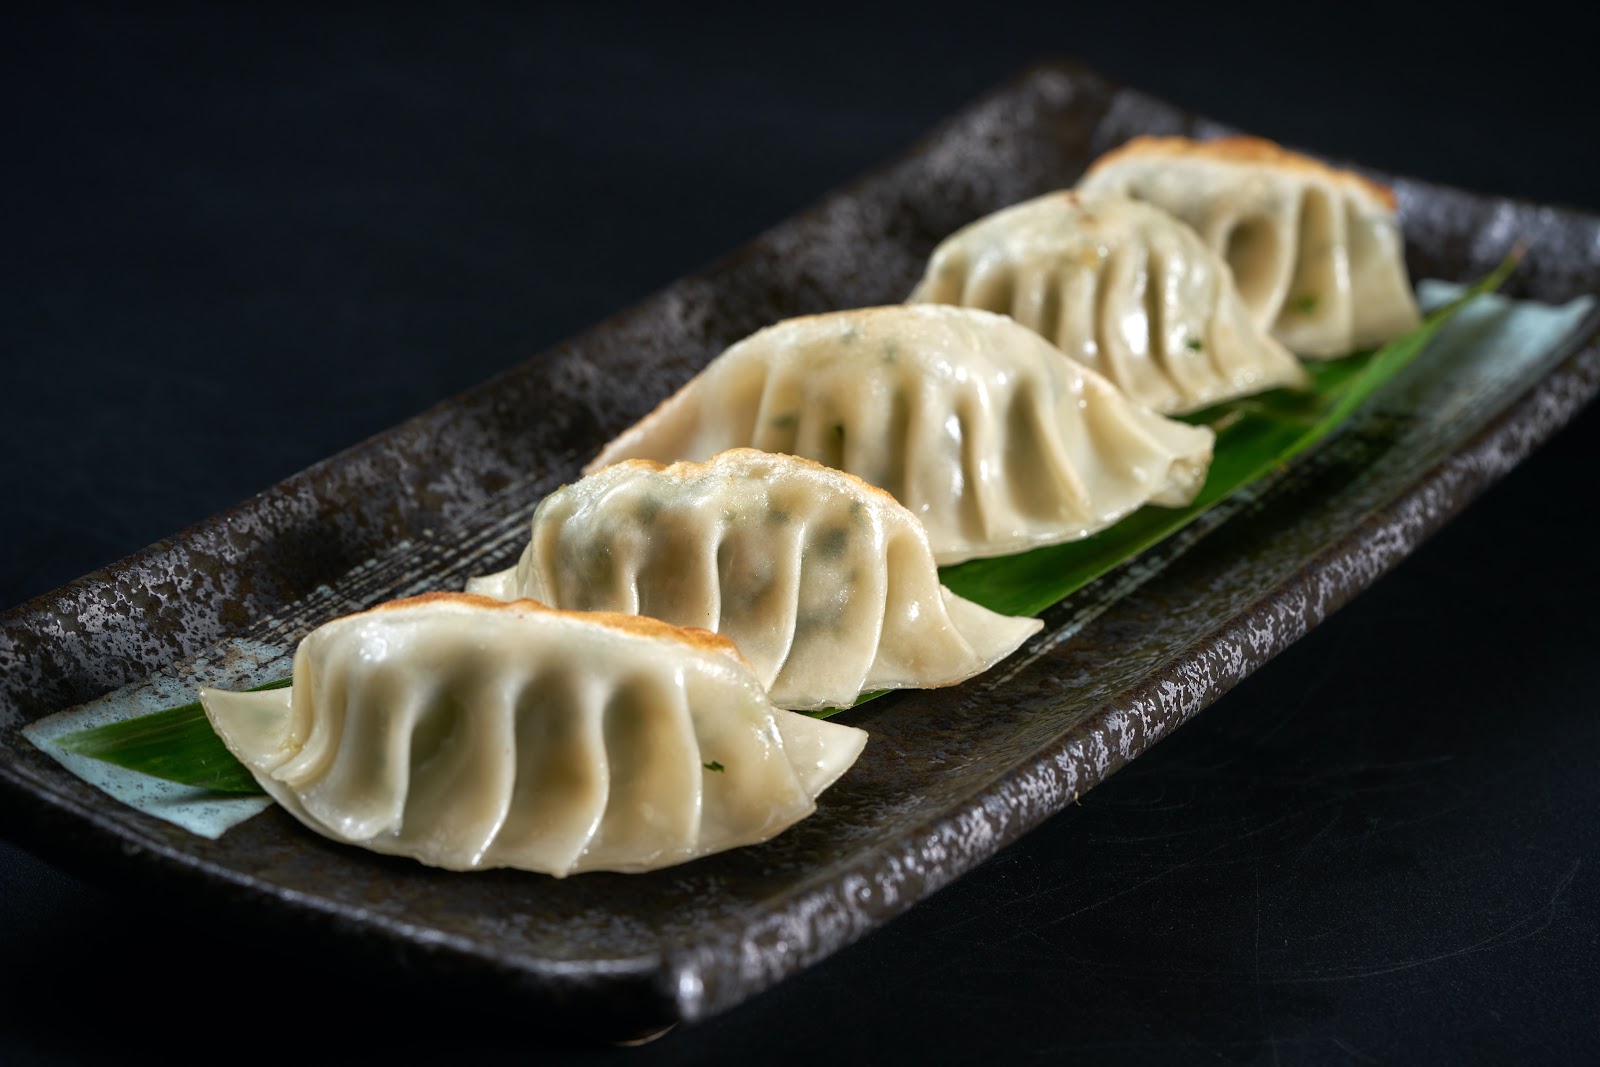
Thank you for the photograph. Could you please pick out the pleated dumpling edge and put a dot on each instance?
(1121, 286)
(1317, 251)
(467, 733)
(986, 432)
(827, 584)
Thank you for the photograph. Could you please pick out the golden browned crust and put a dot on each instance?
(687, 469)
(1243, 149)
(879, 311)
(639, 625)
(849, 482)
(845, 315)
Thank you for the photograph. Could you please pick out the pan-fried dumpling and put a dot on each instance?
(1120, 286)
(979, 426)
(826, 584)
(468, 733)
(1316, 251)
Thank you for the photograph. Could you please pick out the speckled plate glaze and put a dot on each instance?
(950, 776)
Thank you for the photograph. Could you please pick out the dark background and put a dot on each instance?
(238, 241)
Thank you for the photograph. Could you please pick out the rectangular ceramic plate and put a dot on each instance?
(950, 776)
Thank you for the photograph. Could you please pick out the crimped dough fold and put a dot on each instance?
(1316, 251)
(978, 425)
(1120, 286)
(826, 584)
(469, 733)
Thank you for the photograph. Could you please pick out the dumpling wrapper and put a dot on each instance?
(468, 733)
(826, 584)
(1120, 286)
(976, 424)
(1316, 251)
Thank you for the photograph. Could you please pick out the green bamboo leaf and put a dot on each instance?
(1254, 436)
(177, 744)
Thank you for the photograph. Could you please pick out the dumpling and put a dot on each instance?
(977, 425)
(826, 584)
(1120, 286)
(1316, 251)
(468, 733)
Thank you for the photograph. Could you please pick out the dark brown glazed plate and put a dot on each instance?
(950, 776)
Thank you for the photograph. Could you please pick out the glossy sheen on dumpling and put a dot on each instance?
(826, 584)
(469, 733)
(977, 425)
(1120, 286)
(1316, 251)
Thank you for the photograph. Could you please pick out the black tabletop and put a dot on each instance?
(238, 241)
